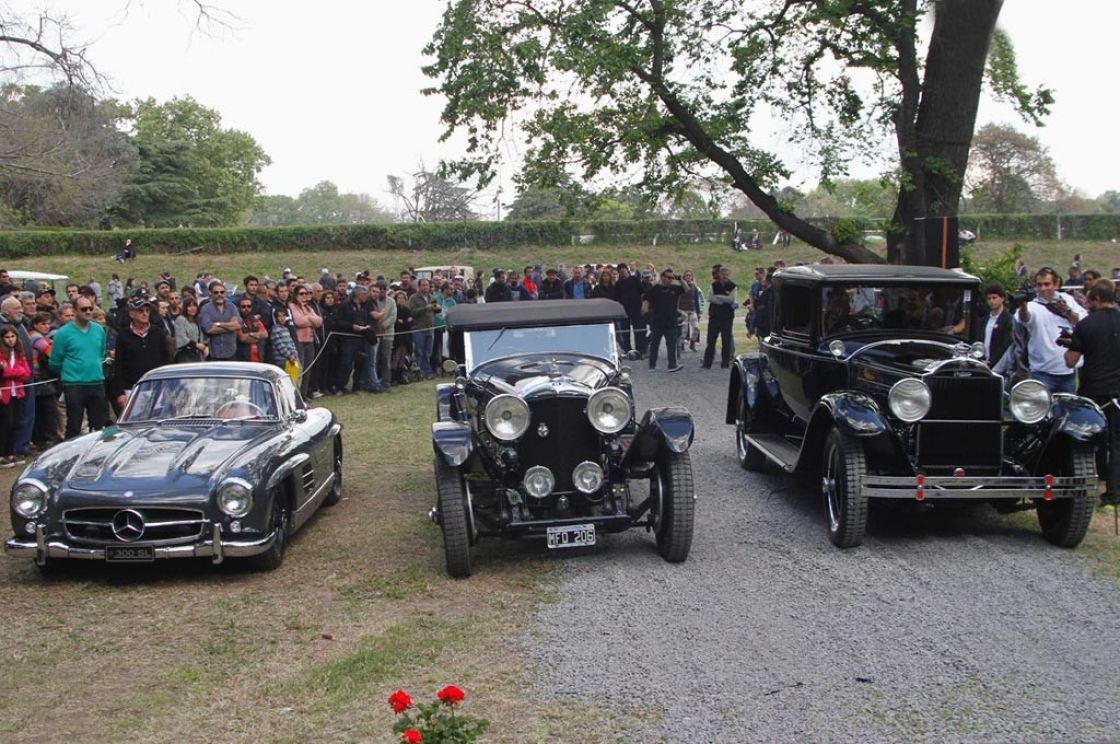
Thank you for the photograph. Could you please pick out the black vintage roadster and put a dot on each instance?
(216, 460)
(537, 438)
(873, 375)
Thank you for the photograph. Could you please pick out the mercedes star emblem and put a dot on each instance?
(542, 431)
(128, 525)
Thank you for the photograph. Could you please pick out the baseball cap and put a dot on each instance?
(646, 272)
(139, 301)
(44, 290)
(162, 282)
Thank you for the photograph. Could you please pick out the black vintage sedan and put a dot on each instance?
(872, 377)
(215, 460)
(537, 436)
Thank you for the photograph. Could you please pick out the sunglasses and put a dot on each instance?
(246, 307)
(218, 291)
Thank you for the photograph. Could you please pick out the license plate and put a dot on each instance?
(571, 536)
(129, 554)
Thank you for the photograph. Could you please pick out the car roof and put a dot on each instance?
(469, 317)
(215, 369)
(878, 273)
(28, 275)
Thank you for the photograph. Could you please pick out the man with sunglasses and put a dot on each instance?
(219, 321)
(141, 346)
(1047, 317)
(252, 336)
(77, 354)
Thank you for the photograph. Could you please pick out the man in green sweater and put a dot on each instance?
(76, 355)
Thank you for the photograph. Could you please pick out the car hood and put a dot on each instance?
(905, 356)
(167, 458)
(533, 375)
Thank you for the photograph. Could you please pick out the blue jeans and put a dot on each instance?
(348, 352)
(369, 380)
(422, 346)
(1056, 383)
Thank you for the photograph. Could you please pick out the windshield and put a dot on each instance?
(200, 398)
(939, 309)
(594, 340)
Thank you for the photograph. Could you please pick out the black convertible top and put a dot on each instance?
(540, 313)
(877, 273)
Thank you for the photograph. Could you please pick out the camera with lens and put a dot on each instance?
(1021, 295)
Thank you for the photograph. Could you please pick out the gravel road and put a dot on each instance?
(946, 625)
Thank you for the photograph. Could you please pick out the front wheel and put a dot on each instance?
(750, 458)
(335, 494)
(451, 499)
(271, 559)
(1064, 522)
(675, 505)
(841, 470)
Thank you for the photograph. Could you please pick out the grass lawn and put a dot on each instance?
(361, 606)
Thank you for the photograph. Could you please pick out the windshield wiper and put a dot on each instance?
(496, 340)
(186, 417)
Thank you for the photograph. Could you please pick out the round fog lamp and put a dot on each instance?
(29, 500)
(909, 399)
(609, 410)
(1029, 401)
(539, 481)
(235, 498)
(507, 417)
(588, 477)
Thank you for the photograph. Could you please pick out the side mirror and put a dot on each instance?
(450, 366)
(299, 415)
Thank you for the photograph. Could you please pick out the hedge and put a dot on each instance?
(493, 235)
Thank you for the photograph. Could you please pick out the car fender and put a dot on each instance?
(671, 427)
(856, 413)
(753, 371)
(445, 395)
(453, 441)
(286, 468)
(1077, 418)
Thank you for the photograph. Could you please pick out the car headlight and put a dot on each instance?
(588, 477)
(29, 499)
(538, 481)
(1030, 401)
(235, 497)
(609, 410)
(507, 417)
(909, 399)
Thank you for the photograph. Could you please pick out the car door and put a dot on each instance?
(312, 439)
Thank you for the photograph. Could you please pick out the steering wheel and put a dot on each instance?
(239, 408)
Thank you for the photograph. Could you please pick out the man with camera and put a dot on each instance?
(660, 303)
(1047, 316)
(1096, 341)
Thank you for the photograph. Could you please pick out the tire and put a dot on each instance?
(451, 498)
(336, 488)
(1064, 522)
(271, 559)
(846, 510)
(675, 506)
(750, 458)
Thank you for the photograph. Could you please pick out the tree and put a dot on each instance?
(65, 161)
(1109, 202)
(432, 198)
(192, 171)
(1010, 172)
(669, 87)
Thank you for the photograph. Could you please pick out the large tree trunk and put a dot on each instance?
(941, 133)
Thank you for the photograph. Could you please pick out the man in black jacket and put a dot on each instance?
(997, 331)
(499, 291)
(722, 302)
(628, 289)
(141, 346)
(551, 287)
(660, 303)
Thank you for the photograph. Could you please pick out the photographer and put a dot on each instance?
(1046, 316)
(1097, 340)
(660, 302)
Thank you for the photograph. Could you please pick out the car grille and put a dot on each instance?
(162, 525)
(964, 427)
(570, 440)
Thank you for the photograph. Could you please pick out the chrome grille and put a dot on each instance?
(964, 425)
(308, 479)
(976, 397)
(568, 439)
(162, 525)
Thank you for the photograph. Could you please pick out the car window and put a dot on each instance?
(290, 399)
(200, 397)
(796, 312)
(595, 340)
(940, 309)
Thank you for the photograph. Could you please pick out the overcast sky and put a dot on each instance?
(331, 88)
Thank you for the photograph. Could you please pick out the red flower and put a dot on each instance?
(411, 736)
(451, 695)
(399, 701)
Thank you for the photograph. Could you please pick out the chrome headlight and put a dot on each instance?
(909, 399)
(507, 417)
(538, 481)
(29, 499)
(609, 410)
(235, 497)
(1030, 401)
(588, 477)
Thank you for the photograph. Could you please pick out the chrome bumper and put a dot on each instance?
(215, 548)
(921, 488)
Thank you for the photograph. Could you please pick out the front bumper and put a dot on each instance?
(214, 548)
(923, 488)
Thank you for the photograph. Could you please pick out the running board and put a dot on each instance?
(777, 449)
